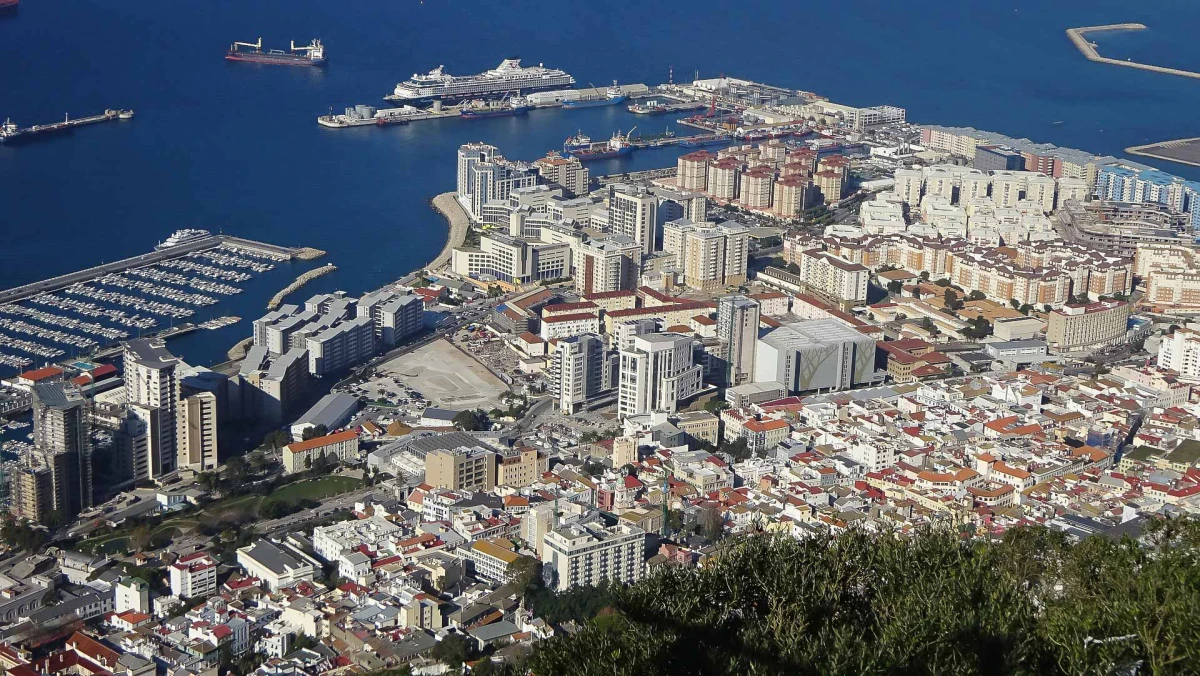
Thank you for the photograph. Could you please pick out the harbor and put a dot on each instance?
(11, 132)
(89, 313)
(1088, 49)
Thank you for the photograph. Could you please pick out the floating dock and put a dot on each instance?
(11, 133)
(1088, 49)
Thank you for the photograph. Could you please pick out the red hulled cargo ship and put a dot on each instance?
(252, 52)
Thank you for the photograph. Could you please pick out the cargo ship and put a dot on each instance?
(507, 79)
(311, 55)
(618, 146)
(612, 97)
(579, 141)
(481, 109)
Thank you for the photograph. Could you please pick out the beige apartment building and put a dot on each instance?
(1080, 328)
(461, 469)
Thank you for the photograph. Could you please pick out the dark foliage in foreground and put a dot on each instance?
(1029, 603)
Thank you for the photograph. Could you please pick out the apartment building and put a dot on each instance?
(341, 346)
(591, 553)
(463, 468)
(632, 212)
(339, 446)
(1078, 328)
(737, 329)
(692, 170)
(198, 432)
(656, 373)
(567, 172)
(840, 281)
(607, 264)
(193, 575)
(152, 391)
(710, 256)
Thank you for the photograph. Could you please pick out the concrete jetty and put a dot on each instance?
(63, 281)
(1089, 50)
(1183, 151)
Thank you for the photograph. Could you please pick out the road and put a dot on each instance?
(299, 519)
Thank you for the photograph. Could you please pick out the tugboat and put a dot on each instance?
(618, 146)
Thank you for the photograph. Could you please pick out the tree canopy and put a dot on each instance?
(1029, 602)
(470, 420)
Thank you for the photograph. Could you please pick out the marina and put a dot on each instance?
(89, 313)
(10, 132)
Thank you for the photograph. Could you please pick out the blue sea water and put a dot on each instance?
(235, 147)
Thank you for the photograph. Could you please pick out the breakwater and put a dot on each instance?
(1089, 50)
(300, 281)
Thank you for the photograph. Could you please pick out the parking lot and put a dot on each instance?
(445, 376)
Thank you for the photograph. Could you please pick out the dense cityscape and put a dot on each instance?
(595, 431)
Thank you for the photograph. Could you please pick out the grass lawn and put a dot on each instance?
(315, 489)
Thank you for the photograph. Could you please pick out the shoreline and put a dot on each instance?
(447, 205)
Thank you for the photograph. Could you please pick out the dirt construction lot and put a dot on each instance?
(447, 377)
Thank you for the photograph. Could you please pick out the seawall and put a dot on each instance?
(447, 205)
(1077, 37)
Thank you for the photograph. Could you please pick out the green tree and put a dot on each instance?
(1026, 602)
(452, 650)
(470, 420)
(950, 298)
(524, 572)
(895, 286)
(976, 295)
(140, 537)
(738, 448)
(314, 432)
(276, 440)
(924, 275)
(715, 405)
(1016, 304)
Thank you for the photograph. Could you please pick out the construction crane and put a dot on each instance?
(256, 45)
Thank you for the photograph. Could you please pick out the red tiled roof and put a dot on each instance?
(317, 442)
(42, 373)
(567, 318)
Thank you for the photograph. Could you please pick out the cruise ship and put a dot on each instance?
(506, 79)
(180, 237)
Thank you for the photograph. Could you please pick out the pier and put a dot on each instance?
(10, 132)
(1089, 50)
(63, 281)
